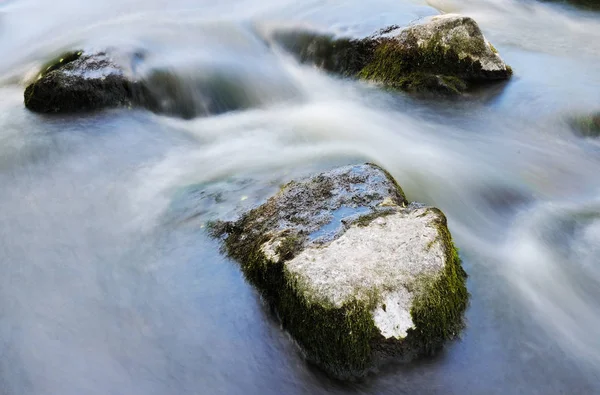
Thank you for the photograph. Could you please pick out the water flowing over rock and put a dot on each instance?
(585, 4)
(356, 274)
(586, 125)
(445, 54)
(85, 81)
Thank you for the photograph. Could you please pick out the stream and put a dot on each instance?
(110, 284)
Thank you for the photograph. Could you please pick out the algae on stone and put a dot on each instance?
(437, 309)
(586, 125)
(445, 54)
(76, 82)
(79, 81)
(59, 62)
(383, 280)
(593, 5)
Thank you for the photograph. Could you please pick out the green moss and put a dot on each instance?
(338, 339)
(419, 69)
(218, 229)
(586, 4)
(432, 67)
(438, 308)
(589, 4)
(340, 55)
(586, 125)
(289, 247)
(365, 220)
(494, 50)
(343, 340)
(54, 64)
(472, 42)
(400, 63)
(387, 64)
(59, 62)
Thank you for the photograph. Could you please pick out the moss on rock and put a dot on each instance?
(586, 125)
(585, 4)
(75, 82)
(438, 308)
(337, 339)
(345, 56)
(343, 335)
(79, 81)
(59, 61)
(447, 54)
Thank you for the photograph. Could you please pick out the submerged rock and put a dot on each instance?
(587, 125)
(586, 4)
(445, 54)
(165, 92)
(356, 274)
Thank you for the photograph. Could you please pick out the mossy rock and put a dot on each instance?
(59, 62)
(356, 274)
(446, 54)
(166, 92)
(77, 81)
(589, 4)
(593, 5)
(586, 125)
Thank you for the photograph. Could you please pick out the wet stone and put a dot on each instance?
(79, 82)
(446, 54)
(82, 81)
(357, 274)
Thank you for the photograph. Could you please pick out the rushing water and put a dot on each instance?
(110, 285)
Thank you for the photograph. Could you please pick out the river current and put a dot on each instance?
(109, 283)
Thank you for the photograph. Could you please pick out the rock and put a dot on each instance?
(586, 125)
(445, 54)
(165, 92)
(78, 81)
(585, 4)
(589, 4)
(356, 274)
(85, 81)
